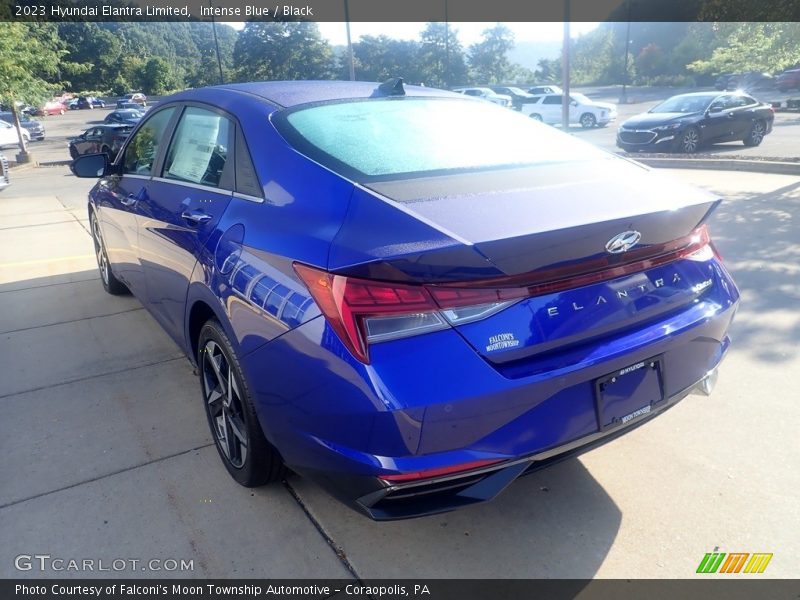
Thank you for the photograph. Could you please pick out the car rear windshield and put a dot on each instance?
(394, 137)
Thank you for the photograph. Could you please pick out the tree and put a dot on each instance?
(650, 61)
(488, 59)
(282, 50)
(377, 58)
(548, 70)
(157, 77)
(752, 47)
(29, 55)
(441, 61)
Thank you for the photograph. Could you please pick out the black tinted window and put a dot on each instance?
(140, 153)
(246, 178)
(199, 148)
(552, 100)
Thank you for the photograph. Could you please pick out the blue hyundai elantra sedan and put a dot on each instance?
(409, 296)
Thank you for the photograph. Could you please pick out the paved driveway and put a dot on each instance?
(106, 453)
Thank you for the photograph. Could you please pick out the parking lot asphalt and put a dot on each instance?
(107, 455)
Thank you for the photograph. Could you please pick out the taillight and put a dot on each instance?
(363, 311)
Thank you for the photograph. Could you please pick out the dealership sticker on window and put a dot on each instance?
(197, 139)
(502, 341)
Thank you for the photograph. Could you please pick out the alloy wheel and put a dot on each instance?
(100, 251)
(588, 120)
(690, 141)
(757, 133)
(224, 404)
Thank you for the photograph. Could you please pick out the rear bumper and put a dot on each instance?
(432, 402)
(443, 494)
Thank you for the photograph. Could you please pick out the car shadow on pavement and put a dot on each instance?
(758, 235)
(555, 523)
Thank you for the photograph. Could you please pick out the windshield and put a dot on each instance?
(683, 104)
(388, 137)
(516, 90)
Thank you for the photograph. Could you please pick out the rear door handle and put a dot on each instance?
(196, 216)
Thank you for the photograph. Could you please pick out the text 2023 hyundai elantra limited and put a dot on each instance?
(409, 296)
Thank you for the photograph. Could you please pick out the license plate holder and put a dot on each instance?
(630, 393)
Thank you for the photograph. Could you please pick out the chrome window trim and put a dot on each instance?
(196, 186)
(248, 197)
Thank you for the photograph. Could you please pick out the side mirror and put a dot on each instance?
(574, 103)
(90, 165)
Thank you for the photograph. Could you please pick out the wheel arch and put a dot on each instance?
(202, 305)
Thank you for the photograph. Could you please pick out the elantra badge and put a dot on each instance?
(622, 242)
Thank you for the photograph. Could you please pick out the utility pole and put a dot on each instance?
(565, 71)
(216, 44)
(350, 58)
(446, 47)
(623, 99)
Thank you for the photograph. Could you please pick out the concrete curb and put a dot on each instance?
(755, 166)
(15, 167)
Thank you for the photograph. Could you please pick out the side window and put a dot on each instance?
(246, 178)
(143, 147)
(719, 102)
(552, 100)
(736, 102)
(199, 149)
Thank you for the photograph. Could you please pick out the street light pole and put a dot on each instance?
(446, 47)
(216, 44)
(350, 58)
(565, 71)
(623, 99)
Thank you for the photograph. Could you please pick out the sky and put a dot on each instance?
(468, 33)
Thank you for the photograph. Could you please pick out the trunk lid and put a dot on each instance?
(526, 227)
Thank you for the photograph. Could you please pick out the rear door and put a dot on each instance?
(193, 188)
(551, 109)
(742, 108)
(91, 142)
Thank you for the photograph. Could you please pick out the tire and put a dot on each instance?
(689, 142)
(247, 455)
(536, 117)
(111, 284)
(756, 134)
(588, 120)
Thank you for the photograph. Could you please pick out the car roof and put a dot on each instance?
(286, 94)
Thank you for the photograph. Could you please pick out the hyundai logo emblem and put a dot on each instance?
(622, 242)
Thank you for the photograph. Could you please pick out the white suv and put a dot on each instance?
(486, 94)
(582, 110)
(9, 136)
